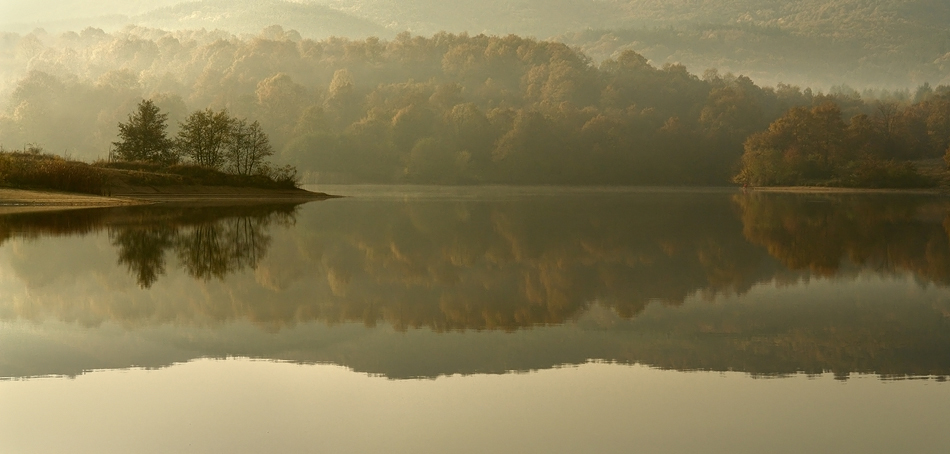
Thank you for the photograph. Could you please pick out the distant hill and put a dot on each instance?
(818, 43)
(43, 12)
(250, 16)
(539, 18)
(879, 20)
(825, 17)
(237, 16)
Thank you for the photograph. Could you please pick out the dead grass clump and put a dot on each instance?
(36, 170)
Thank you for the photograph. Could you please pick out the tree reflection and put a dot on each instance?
(614, 271)
(824, 234)
(505, 265)
(215, 250)
(142, 250)
(210, 243)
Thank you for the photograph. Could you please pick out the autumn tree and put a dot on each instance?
(143, 137)
(815, 146)
(204, 137)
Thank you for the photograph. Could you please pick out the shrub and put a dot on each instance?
(877, 173)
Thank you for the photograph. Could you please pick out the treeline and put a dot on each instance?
(815, 146)
(444, 109)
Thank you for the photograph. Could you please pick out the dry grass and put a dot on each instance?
(33, 169)
(43, 171)
(148, 174)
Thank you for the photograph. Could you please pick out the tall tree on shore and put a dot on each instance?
(204, 137)
(143, 137)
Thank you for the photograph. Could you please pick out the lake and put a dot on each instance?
(492, 319)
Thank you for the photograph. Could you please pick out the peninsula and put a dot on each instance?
(43, 180)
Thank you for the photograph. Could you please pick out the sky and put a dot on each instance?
(37, 10)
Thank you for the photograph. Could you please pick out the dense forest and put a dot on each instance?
(815, 146)
(891, 44)
(441, 109)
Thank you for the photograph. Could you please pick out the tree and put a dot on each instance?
(204, 137)
(143, 137)
(248, 146)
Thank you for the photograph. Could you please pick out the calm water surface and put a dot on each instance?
(415, 319)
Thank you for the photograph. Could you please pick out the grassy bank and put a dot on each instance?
(25, 170)
(41, 171)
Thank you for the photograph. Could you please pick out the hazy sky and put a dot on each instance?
(12, 11)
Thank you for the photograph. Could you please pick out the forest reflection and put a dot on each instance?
(826, 234)
(455, 265)
(766, 283)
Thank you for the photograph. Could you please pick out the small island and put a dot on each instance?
(215, 159)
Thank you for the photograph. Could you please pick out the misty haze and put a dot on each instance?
(516, 226)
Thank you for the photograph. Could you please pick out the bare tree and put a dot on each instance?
(248, 147)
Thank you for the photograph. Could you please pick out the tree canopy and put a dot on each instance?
(448, 108)
(143, 137)
(815, 146)
(203, 137)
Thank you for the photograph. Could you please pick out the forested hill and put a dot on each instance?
(441, 109)
(818, 43)
(233, 16)
(880, 20)
(444, 109)
(870, 18)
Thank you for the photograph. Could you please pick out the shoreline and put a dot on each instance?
(19, 200)
(22, 200)
(837, 190)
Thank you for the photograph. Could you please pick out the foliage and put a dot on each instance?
(284, 176)
(449, 108)
(199, 175)
(816, 147)
(213, 141)
(490, 109)
(143, 137)
(203, 137)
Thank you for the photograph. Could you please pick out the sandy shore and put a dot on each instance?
(20, 200)
(15, 197)
(833, 190)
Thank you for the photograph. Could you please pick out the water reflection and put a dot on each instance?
(763, 283)
(209, 242)
(825, 233)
